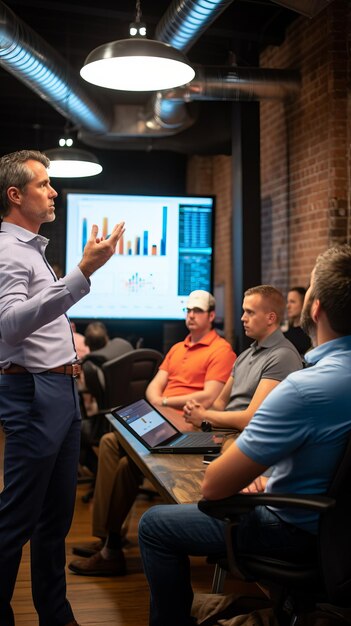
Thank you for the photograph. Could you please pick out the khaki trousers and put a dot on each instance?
(117, 485)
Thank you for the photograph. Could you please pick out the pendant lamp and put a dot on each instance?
(137, 63)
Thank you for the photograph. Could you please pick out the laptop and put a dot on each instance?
(159, 435)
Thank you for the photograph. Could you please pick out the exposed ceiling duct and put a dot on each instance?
(210, 84)
(186, 20)
(31, 60)
(34, 62)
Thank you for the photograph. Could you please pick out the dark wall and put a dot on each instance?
(124, 173)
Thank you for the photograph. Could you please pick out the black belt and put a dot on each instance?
(70, 370)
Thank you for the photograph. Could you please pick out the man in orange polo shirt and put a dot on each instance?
(197, 367)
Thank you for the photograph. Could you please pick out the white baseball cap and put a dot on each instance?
(201, 299)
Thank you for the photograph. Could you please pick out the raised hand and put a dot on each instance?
(99, 250)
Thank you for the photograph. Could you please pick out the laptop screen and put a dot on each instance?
(148, 423)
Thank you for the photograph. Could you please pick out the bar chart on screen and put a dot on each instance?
(165, 252)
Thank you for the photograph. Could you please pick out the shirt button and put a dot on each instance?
(82, 291)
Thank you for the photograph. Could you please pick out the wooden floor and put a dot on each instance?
(119, 601)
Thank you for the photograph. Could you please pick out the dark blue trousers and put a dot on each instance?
(41, 420)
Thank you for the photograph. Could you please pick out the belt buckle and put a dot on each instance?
(75, 370)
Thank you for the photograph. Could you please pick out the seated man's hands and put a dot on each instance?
(194, 413)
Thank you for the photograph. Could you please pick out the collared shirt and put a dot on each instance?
(34, 330)
(190, 365)
(274, 358)
(303, 426)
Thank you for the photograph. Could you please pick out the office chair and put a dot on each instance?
(119, 381)
(94, 383)
(127, 377)
(114, 348)
(297, 588)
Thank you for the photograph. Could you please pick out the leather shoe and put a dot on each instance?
(72, 623)
(89, 548)
(96, 565)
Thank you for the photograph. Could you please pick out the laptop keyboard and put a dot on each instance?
(194, 439)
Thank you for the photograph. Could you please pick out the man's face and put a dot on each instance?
(256, 318)
(37, 198)
(307, 323)
(199, 321)
(294, 305)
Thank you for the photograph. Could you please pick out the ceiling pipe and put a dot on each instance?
(186, 20)
(30, 59)
(237, 83)
(210, 84)
(35, 63)
(181, 26)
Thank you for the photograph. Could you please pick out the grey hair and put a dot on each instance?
(15, 173)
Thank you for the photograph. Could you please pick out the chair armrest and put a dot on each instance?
(229, 508)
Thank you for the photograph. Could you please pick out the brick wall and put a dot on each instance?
(305, 158)
(304, 149)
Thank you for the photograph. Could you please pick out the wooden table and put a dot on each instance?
(177, 477)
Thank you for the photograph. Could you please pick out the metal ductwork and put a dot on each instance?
(186, 20)
(169, 113)
(238, 83)
(181, 26)
(210, 84)
(31, 60)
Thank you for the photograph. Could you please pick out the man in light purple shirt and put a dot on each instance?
(39, 408)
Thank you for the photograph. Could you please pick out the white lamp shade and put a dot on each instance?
(137, 65)
(72, 163)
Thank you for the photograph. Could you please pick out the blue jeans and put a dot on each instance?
(169, 533)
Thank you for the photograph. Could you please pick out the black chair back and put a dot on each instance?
(127, 376)
(114, 348)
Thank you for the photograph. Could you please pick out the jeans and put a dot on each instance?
(169, 533)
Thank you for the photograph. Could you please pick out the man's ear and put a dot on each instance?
(272, 318)
(212, 315)
(315, 310)
(14, 195)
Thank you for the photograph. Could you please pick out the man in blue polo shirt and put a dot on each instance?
(305, 419)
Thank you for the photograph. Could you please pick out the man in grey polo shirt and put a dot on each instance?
(260, 368)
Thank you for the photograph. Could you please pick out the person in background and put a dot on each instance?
(39, 407)
(257, 370)
(96, 336)
(305, 419)
(79, 341)
(198, 367)
(295, 333)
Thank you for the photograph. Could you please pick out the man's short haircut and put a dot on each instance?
(96, 336)
(332, 286)
(273, 298)
(15, 173)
